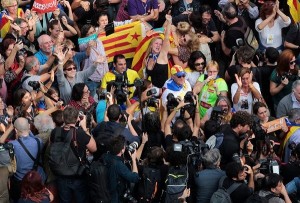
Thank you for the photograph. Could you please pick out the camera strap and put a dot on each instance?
(35, 160)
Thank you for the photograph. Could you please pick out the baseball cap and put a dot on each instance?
(177, 70)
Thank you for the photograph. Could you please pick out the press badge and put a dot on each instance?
(270, 39)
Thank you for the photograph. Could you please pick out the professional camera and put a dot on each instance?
(189, 98)
(172, 102)
(259, 132)
(217, 115)
(195, 150)
(119, 84)
(127, 197)
(151, 92)
(152, 102)
(268, 166)
(132, 147)
(289, 76)
(34, 84)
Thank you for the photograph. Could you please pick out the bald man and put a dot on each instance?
(24, 162)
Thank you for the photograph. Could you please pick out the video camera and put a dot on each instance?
(195, 150)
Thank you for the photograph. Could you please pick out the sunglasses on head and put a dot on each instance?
(198, 64)
(292, 62)
(70, 68)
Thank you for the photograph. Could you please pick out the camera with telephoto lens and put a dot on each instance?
(151, 92)
(132, 147)
(189, 98)
(34, 84)
(127, 197)
(268, 166)
(217, 115)
(152, 102)
(172, 102)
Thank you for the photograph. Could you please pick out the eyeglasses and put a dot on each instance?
(292, 62)
(71, 68)
(180, 76)
(212, 72)
(198, 64)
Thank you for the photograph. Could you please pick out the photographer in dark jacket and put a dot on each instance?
(118, 173)
(239, 124)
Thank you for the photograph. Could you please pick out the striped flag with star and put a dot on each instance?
(294, 9)
(124, 40)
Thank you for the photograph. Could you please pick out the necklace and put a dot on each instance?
(144, 4)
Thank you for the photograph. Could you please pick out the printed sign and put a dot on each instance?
(275, 125)
(44, 6)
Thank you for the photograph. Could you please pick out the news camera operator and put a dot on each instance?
(120, 76)
(119, 175)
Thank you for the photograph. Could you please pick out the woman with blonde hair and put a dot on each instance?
(209, 87)
(156, 60)
(187, 43)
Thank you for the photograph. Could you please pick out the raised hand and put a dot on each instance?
(238, 80)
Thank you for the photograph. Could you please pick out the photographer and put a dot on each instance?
(237, 173)
(128, 76)
(74, 184)
(119, 176)
(292, 169)
(239, 124)
(181, 130)
(273, 187)
(283, 76)
(32, 67)
(176, 87)
(225, 114)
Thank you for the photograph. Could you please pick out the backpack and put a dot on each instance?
(62, 158)
(249, 37)
(98, 182)
(7, 157)
(149, 183)
(222, 195)
(215, 141)
(176, 183)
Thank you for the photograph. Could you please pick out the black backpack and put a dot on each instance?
(149, 184)
(63, 158)
(222, 195)
(98, 182)
(176, 183)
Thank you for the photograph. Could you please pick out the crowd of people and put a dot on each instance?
(215, 105)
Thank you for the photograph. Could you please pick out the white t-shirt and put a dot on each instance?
(192, 77)
(246, 99)
(271, 36)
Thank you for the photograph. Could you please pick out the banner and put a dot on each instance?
(86, 40)
(124, 40)
(275, 125)
(44, 6)
(294, 9)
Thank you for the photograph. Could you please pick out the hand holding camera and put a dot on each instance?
(284, 80)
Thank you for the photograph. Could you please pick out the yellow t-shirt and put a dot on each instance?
(132, 75)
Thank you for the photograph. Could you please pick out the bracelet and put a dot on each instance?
(60, 62)
(176, 109)
(142, 143)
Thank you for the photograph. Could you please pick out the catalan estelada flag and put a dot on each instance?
(5, 23)
(124, 40)
(294, 9)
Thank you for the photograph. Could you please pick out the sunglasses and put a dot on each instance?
(198, 64)
(292, 62)
(71, 68)
(180, 76)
